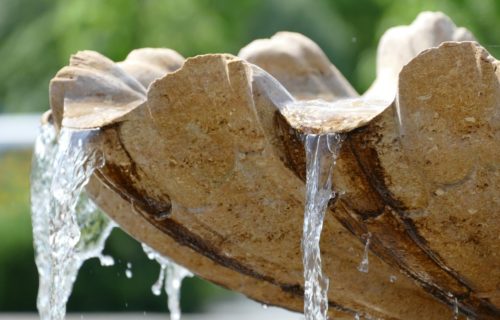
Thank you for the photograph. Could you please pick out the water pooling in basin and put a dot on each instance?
(321, 151)
(67, 227)
(171, 276)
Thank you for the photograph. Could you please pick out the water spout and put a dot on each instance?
(320, 155)
(67, 227)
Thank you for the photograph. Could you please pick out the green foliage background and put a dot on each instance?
(38, 36)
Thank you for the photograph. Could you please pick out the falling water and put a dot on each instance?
(364, 265)
(172, 281)
(67, 226)
(128, 271)
(399, 118)
(455, 309)
(321, 151)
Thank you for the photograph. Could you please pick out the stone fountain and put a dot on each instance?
(209, 161)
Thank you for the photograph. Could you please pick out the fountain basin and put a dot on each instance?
(206, 166)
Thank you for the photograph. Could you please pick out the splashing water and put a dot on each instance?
(364, 265)
(67, 226)
(95, 228)
(172, 282)
(321, 152)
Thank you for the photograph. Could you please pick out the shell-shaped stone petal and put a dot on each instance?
(300, 65)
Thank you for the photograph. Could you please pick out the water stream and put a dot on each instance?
(67, 226)
(321, 152)
(171, 276)
(364, 265)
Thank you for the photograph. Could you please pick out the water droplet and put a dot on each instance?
(162, 215)
(171, 282)
(106, 261)
(128, 271)
(265, 306)
(364, 265)
(156, 288)
(393, 278)
(128, 274)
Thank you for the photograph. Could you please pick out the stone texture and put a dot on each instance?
(300, 65)
(207, 167)
(399, 45)
(93, 92)
(149, 64)
(448, 147)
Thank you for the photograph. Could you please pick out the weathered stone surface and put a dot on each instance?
(149, 64)
(214, 161)
(448, 146)
(207, 167)
(93, 92)
(299, 65)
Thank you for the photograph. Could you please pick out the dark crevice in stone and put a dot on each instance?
(468, 304)
(113, 177)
